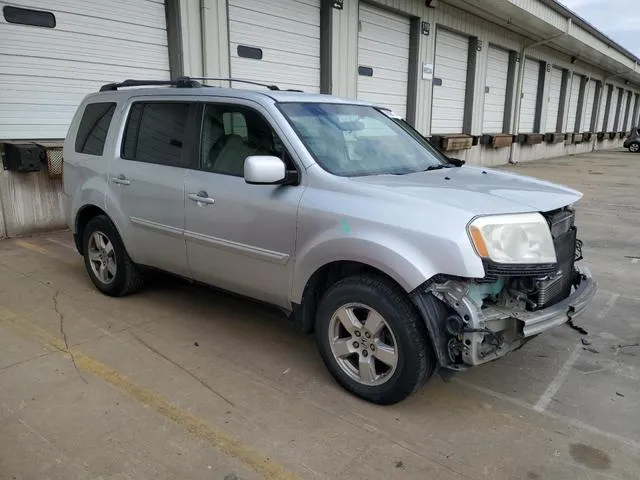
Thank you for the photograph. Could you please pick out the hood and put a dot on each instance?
(478, 190)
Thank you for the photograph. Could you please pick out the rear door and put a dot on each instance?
(240, 237)
(146, 182)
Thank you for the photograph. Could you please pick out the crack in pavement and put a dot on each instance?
(56, 308)
(177, 365)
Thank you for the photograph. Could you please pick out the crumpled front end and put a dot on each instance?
(479, 320)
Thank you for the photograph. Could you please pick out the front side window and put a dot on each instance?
(357, 140)
(93, 128)
(231, 133)
(155, 133)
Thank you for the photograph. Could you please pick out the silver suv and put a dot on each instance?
(402, 260)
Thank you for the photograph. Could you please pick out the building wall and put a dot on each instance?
(344, 72)
(32, 202)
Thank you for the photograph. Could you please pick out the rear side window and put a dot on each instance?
(93, 128)
(155, 133)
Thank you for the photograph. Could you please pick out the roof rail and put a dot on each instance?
(181, 82)
(250, 82)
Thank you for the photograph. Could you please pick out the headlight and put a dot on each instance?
(518, 238)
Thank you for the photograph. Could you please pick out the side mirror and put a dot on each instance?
(264, 170)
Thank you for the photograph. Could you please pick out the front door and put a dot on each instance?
(146, 183)
(240, 237)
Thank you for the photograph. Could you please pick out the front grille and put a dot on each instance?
(494, 270)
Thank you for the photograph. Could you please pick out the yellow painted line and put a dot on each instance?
(43, 251)
(218, 439)
(30, 246)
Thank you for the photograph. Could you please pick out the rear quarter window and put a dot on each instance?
(93, 128)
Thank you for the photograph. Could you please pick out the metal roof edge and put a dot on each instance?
(581, 22)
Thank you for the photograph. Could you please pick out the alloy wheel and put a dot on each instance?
(363, 344)
(102, 257)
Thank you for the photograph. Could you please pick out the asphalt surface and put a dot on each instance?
(181, 381)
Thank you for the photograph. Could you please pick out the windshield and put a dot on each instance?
(357, 140)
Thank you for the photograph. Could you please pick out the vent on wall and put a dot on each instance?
(249, 52)
(26, 16)
(54, 162)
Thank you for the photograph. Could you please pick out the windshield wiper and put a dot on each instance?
(437, 167)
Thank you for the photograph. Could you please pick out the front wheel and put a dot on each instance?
(634, 147)
(373, 340)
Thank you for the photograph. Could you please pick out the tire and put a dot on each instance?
(634, 147)
(368, 298)
(121, 276)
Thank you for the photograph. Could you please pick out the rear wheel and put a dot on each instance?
(106, 260)
(634, 147)
(373, 340)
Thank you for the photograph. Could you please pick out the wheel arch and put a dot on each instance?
(83, 217)
(320, 267)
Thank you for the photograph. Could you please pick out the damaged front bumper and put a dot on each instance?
(473, 333)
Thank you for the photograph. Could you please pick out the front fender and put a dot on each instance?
(405, 264)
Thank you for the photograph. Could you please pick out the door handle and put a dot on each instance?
(121, 180)
(201, 197)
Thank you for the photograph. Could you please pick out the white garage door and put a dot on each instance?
(553, 106)
(383, 58)
(450, 82)
(275, 42)
(589, 102)
(47, 70)
(603, 106)
(574, 95)
(613, 107)
(529, 95)
(495, 94)
(625, 112)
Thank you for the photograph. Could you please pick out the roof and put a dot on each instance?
(581, 22)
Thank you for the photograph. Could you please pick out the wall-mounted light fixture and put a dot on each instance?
(425, 28)
(479, 45)
(573, 60)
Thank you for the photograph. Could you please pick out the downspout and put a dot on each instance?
(525, 48)
(604, 83)
(203, 38)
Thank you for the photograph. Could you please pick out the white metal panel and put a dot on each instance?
(288, 34)
(495, 90)
(529, 95)
(623, 118)
(574, 94)
(553, 105)
(447, 106)
(46, 72)
(589, 103)
(603, 107)
(383, 46)
(613, 107)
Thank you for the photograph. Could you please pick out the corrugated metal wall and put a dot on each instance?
(206, 50)
(47, 71)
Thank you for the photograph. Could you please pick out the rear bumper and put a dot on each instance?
(572, 306)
